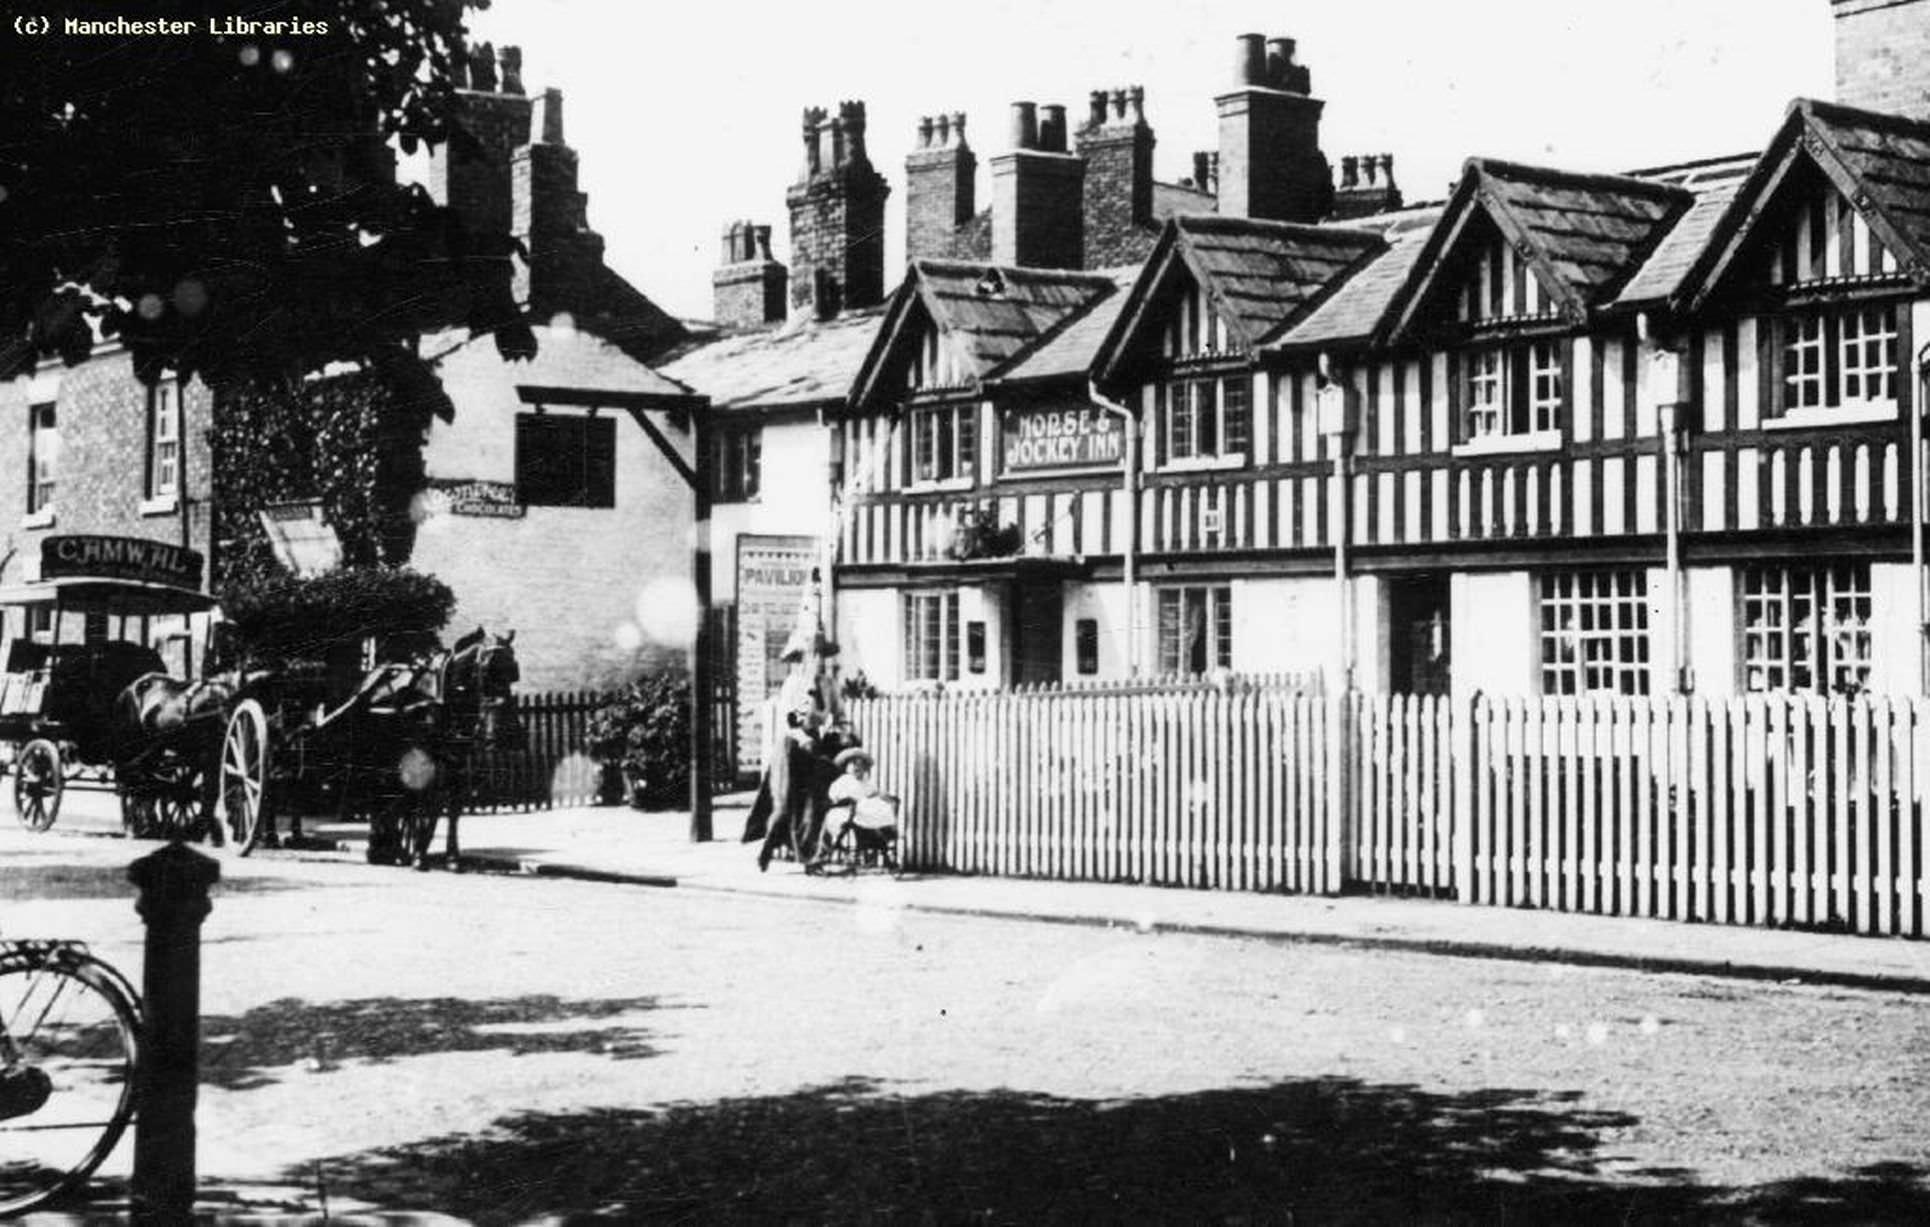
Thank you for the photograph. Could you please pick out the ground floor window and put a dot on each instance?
(1595, 633)
(932, 634)
(1806, 628)
(1195, 629)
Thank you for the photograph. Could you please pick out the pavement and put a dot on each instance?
(617, 844)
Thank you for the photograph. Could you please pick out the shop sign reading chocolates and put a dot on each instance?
(1081, 437)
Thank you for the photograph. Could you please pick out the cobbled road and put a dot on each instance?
(508, 1050)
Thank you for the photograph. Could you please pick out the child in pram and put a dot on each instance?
(860, 822)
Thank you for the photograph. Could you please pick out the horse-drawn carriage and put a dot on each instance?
(57, 696)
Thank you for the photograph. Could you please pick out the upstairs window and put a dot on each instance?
(944, 442)
(737, 455)
(932, 636)
(43, 458)
(1205, 419)
(1837, 360)
(1195, 628)
(164, 440)
(566, 460)
(1513, 392)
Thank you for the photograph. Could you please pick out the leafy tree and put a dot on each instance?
(226, 203)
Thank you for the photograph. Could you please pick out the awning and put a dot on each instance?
(133, 598)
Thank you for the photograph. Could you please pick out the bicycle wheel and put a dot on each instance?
(69, 1035)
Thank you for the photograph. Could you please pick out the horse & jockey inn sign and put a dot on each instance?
(1034, 439)
(132, 559)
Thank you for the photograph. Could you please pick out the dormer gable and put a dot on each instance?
(1219, 288)
(952, 326)
(1840, 200)
(1521, 246)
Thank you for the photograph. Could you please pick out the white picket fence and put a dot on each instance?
(1759, 810)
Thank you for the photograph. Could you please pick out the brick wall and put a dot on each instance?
(471, 172)
(1118, 194)
(1883, 55)
(1038, 202)
(838, 240)
(1270, 161)
(101, 412)
(940, 197)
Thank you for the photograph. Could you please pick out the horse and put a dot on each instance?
(472, 689)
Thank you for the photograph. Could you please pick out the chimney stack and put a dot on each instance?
(470, 172)
(837, 211)
(1117, 144)
(1271, 165)
(940, 193)
(748, 288)
(1883, 55)
(1037, 195)
(550, 218)
(1366, 186)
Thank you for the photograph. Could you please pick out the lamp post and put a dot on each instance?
(1332, 418)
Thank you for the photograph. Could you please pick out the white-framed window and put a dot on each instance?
(1806, 628)
(1594, 632)
(40, 623)
(43, 457)
(1207, 418)
(164, 440)
(1838, 359)
(1195, 628)
(944, 442)
(1514, 390)
(932, 636)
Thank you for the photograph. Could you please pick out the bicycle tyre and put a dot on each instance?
(76, 1019)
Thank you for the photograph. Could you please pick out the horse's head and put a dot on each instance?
(479, 687)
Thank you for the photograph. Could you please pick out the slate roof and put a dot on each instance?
(800, 364)
(1662, 273)
(1172, 199)
(1263, 273)
(1071, 350)
(565, 358)
(1591, 231)
(991, 315)
(1357, 308)
(1879, 161)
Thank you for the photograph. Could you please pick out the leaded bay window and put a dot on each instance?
(1207, 418)
(944, 442)
(1513, 391)
(1806, 628)
(1195, 628)
(932, 635)
(1594, 633)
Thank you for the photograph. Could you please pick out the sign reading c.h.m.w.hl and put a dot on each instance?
(134, 559)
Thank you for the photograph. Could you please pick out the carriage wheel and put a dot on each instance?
(244, 778)
(38, 784)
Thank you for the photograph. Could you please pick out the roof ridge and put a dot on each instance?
(1841, 112)
(1217, 221)
(1500, 168)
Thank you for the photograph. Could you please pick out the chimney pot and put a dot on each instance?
(1387, 168)
(1052, 128)
(1199, 170)
(511, 60)
(1350, 170)
(1250, 60)
(1097, 119)
(1279, 62)
(924, 131)
(1025, 125)
(547, 126)
(958, 128)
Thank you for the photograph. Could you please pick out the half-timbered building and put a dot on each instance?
(1564, 433)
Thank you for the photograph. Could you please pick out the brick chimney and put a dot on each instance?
(550, 218)
(940, 194)
(470, 171)
(1883, 55)
(1366, 186)
(749, 286)
(837, 217)
(1038, 194)
(1270, 160)
(1117, 145)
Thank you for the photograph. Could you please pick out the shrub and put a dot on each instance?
(644, 732)
(288, 617)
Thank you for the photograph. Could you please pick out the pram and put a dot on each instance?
(860, 827)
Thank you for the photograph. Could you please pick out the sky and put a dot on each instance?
(686, 114)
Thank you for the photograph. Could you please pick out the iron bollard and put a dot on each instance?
(173, 902)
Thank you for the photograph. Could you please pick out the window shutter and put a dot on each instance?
(599, 462)
(1162, 415)
(1456, 397)
(1515, 370)
(1565, 416)
(1207, 405)
(1832, 360)
(1906, 345)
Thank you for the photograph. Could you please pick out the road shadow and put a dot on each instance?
(241, 1052)
(92, 880)
(1328, 1150)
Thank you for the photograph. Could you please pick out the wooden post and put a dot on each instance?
(702, 765)
(173, 902)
